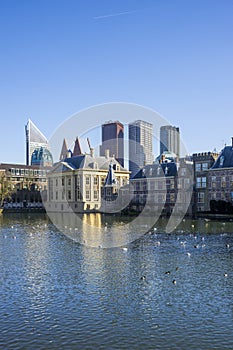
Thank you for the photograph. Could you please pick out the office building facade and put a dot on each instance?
(170, 140)
(113, 140)
(34, 140)
(140, 145)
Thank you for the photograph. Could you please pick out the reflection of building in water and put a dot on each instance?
(76, 183)
(94, 219)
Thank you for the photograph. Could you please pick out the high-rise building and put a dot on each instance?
(34, 140)
(113, 140)
(140, 145)
(170, 140)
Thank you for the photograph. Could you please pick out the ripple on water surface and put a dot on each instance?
(58, 294)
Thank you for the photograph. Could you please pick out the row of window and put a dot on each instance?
(78, 195)
(26, 172)
(87, 180)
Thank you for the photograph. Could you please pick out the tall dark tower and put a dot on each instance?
(113, 140)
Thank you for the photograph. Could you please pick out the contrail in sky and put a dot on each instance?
(114, 14)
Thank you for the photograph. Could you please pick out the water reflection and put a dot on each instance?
(100, 230)
(57, 294)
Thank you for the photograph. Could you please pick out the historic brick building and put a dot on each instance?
(202, 162)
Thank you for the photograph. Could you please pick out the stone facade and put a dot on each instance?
(202, 162)
(77, 183)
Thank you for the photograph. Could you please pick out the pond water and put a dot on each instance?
(162, 291)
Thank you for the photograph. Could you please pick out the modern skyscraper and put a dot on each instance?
(113, 140)
(170, 140)
(34, 139)
(140, 145)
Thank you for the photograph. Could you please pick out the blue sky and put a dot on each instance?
(174, 56)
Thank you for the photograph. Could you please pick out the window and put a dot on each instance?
(204, 166)
(102, 181)
(56, 195)
(213, 196)
(152, 185)
(161, 185)
(172, 197)
(213, 181)
(144, 186)
(183, 171)
(69, 181)
(172, 184)
(56, 182)
(198, 166)
(201, 197)
(223, 181)
(186, 183)
(95, 180)
(69, 194)
(87, 180)
(221, 161)
(63, 181)
(88, 196)
(95, 195)
(201, 182)
(231, 181)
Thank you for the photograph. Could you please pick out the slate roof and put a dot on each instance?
(86, 161)
(157, 170)
(225, 159)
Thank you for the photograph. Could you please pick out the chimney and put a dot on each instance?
(92, 152)
(107, 153)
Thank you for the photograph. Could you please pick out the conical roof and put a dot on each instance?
(77, 148)
(64, 150)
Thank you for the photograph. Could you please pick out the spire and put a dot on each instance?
(110, 179)
(77, 149)
(64, 150)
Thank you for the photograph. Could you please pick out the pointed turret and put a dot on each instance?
(64, 150)
(111, 178)
(77, 149)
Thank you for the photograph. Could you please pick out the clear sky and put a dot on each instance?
(60, 56)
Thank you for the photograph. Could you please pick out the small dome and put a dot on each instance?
(42, 156)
